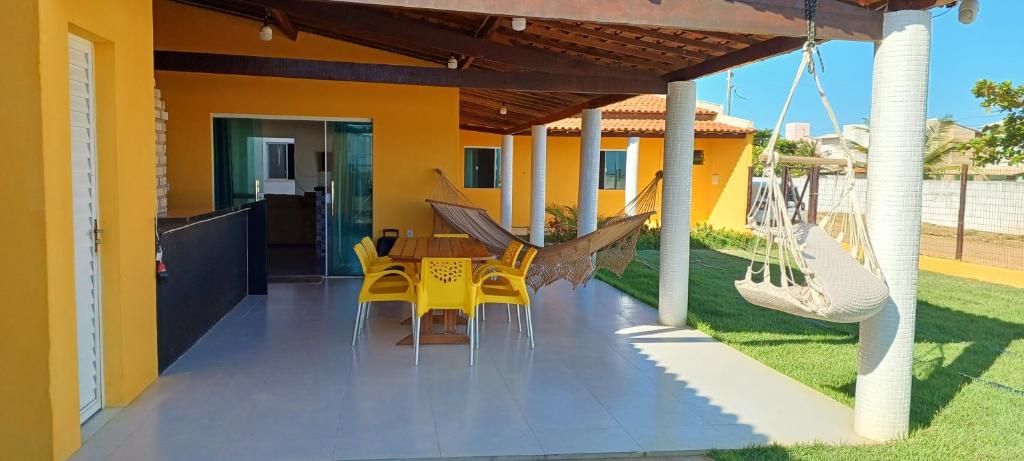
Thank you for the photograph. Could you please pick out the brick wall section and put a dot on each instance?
(161, 156)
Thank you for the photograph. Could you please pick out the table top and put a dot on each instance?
(417, 248)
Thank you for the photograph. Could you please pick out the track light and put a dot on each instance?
(503, 110)
(453, 63)
(518, 24)
(968, 11)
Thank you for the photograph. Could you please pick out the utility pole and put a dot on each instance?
(728, 92)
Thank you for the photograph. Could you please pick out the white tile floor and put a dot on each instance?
(276, 379)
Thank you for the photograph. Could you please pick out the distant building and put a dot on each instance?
(797, 131)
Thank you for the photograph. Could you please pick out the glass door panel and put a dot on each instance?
(237, 161)
(350, 193)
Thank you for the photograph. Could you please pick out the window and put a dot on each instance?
(482, 168)
(698, 157)
(613, 170)
(279, 160)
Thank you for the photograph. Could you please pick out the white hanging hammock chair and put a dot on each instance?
(841, 278)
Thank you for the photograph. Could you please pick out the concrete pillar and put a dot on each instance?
(674, 273)
(898, 118)
(632, 164)
(590, 166)
(506, 181)
(538, 176)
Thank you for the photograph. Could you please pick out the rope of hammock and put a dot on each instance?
(612, 246)
(834, 288)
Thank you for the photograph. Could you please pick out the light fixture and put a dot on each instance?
(968, 11)
(518, 24)
(453, 63)
(266, 33)
(503, 110)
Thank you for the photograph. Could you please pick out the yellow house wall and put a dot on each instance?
(38, 332)
(720, 205)
(414, 128)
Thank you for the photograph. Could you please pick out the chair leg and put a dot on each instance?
(519, 318)
(529, 324)
(483, 312)
(472, 338)
(366, 315)
(416, 336)
(355, 329)
(508, 312)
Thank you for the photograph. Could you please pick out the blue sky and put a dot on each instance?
(992, 47)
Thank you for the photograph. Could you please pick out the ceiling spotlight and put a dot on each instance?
(266, 33)
(453, 63)
(968, 11)
(503, 110)
(518, 24)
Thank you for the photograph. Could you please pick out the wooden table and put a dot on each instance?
(414, 250)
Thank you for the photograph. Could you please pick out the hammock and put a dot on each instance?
(611, 247)
(842, 279)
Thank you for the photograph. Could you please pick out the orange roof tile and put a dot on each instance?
(646, 104)
(647, 126)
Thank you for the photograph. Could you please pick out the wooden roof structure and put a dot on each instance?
(573, 55)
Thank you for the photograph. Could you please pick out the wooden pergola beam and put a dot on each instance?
(181, 61)
(284, 23)
(382, 27)
(836, 20)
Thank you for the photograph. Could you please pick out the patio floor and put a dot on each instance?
(278, 379)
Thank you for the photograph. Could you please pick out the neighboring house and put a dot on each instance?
(723, 145)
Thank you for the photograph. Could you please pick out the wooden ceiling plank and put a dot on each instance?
(753, 53)
(538, 41)
(484, 31)
(348, 19)
(407, 75)
(638, 43)
(836, 20)
(673, 38)
(599, 101)
(617, 46)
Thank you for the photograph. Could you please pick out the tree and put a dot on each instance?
(801, 148)
(1002, 141)
(937, 145)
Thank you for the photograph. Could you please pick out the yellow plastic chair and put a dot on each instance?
(507, 262)
(446, 283)
(381, 285)
(512, 290)
(452, 236)
(379, 263)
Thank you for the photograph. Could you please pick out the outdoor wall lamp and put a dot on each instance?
(503, 110)
(453, 63)
(968, 11)
(266, 33)
(518, 24)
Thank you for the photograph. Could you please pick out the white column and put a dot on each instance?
(674, 273)
(506, 181)
(898, 117)
(632, 164)
(590, 165)
(538, 176)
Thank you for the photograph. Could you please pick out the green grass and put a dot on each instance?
(964, 328)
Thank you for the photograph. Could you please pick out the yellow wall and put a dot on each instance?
(720, 205)
(38, 331)
(414, 128)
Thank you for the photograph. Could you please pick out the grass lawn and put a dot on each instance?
(968, 390)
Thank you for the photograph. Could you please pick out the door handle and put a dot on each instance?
(334, 199)
(256, 183)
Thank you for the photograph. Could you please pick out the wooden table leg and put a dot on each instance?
(450, 335)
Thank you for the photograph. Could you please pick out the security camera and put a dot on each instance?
(968, 11)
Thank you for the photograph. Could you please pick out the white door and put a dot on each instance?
(84, 202)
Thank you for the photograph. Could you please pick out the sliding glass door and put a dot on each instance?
(350, 188)
(237, 161)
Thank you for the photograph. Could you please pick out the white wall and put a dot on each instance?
(992, 206)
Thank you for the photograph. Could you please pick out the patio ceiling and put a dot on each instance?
(573, 54)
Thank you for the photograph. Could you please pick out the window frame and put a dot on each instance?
(620, 181)
(496, 151)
